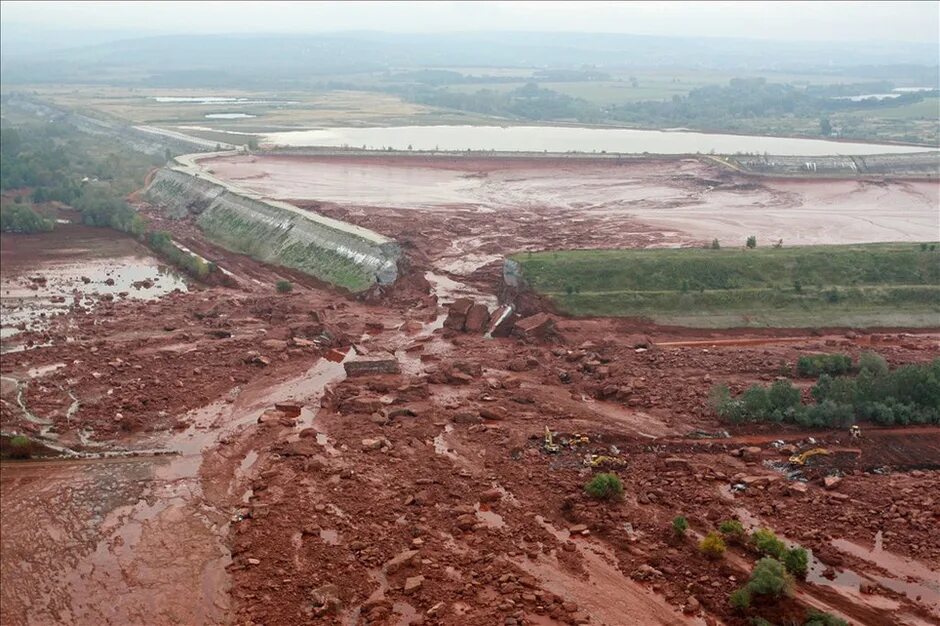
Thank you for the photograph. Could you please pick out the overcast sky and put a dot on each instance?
(821, 21)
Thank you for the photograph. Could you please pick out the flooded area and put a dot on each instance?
(48, 274)
(570, 139)
(676, 196)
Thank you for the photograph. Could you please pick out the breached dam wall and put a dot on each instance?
(276, 232)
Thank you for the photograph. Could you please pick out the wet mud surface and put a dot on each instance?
(271, 488)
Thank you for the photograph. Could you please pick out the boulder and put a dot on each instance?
(457, 313)
(831, 482)
(372, 367)
(751, 453)
(536, 326)
(477, 318)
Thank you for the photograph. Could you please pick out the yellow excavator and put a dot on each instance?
(801, 458)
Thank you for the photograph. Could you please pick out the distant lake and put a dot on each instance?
(571, 139)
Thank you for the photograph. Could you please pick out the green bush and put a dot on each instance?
(873, 363)
(819, 618)
(284, 286)
(733, 530)
(767, 543)
(716, 245)
(21, 218)
(680, 525)
(796, 560)
(751, 242)
(816, 364)
(740, 599)
(21, 447)
(605, 486)
(712, 545)
(770, 578)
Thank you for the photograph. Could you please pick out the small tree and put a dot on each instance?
(767, 543)
(21, 447)
(733, 530)
(605, 486)
(680, 526)
(740, 599)
(715, 245)
(712, 546)
(751, 242)
(825, 127)
(284, 286)
(819, 618)
(872, 362)
(770, 578)
(796, 560)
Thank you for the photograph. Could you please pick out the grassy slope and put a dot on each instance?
(857, 285)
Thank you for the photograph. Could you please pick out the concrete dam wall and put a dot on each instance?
(275, 232)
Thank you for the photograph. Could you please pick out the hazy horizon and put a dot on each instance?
(902, 22)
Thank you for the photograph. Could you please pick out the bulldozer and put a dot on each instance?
(801, 458)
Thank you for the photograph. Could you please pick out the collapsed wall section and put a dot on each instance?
(278, 233)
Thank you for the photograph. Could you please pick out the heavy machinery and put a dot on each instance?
(801, 458)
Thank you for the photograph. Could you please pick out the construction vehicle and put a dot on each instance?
(549, 444)
(604, 461)
(801, 458)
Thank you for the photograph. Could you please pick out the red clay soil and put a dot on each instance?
(427, 496)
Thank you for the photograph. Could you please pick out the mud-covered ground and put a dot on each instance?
(426, 496)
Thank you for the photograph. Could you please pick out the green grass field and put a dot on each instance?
(799, 287)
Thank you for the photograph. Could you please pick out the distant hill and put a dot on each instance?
(284, 60)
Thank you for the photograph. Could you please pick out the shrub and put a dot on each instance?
(680, 525)
(770, 578)
(751, 242)
(816, 364)
(819, 618)
(796, 560)
(733, 530)
(21, 218)
(712, 546)
(284, 286)
(605, 486)
(715, 245)
(21, 447)
(767, 543)
(740, 599)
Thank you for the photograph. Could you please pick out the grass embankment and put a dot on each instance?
(891, 284)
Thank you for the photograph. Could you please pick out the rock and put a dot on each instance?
(751, 453)
(477, 318)
(457, 313)
(325, 600)
(491, 495)
(639, 341)
(466, 417)
(797, 488)
(536, 326)
(466, 521)
(413, 583)
(375, 444)
(371, 367)
(577, 529)
(290, 409)
(692, 605)
(275, 345)
(492, 413)
(831, 482)
(677, 463)
(501, 322)
(254, 562)
(335, 355)
(400, 560)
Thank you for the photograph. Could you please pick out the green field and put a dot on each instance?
(894, 284)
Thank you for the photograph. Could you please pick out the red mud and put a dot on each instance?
(425, 496)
